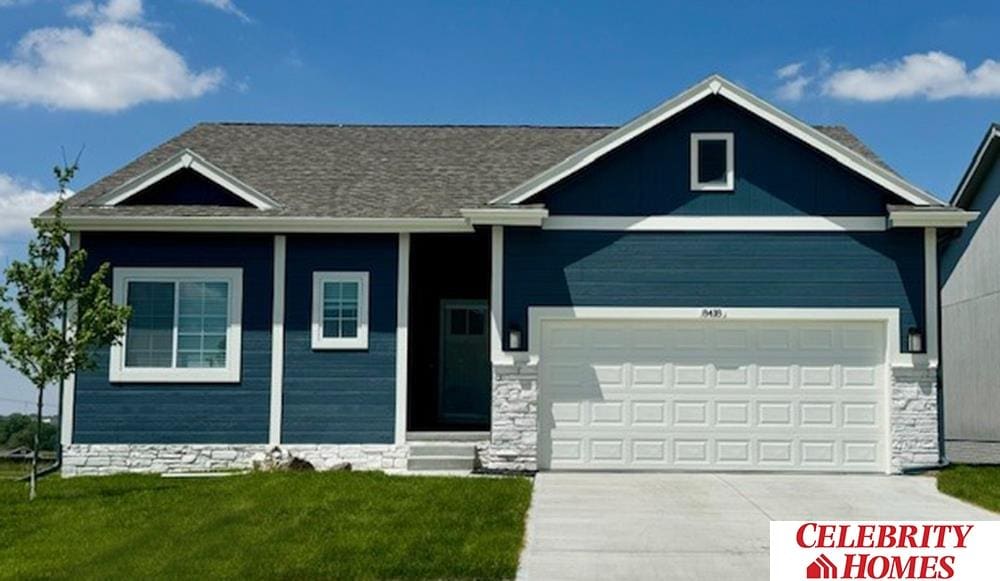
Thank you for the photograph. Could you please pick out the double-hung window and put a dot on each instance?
(712, 162)
(340, 310)
(184, 328)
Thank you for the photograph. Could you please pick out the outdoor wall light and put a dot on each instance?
(514, 338)
(915, 340)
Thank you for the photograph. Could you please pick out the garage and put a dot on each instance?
(713, 395)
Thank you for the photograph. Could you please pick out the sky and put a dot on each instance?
(919, 82)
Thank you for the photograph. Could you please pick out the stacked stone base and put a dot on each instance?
(914, 424)
(101, 459)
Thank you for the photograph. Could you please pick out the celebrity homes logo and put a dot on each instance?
(961, 551)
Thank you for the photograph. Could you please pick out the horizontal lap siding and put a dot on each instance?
(775, 174)
(334, 396)
(688, 269)
(131, 413)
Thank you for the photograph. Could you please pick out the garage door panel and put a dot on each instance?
(715, 395)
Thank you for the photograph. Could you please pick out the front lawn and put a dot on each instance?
(287, 525)
(976, 484)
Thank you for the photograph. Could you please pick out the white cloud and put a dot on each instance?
(114, 63)
(789, 70)
(933, 75)
(794, 89)
(227, 6)
(19, 202)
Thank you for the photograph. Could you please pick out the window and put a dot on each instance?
(340, 310)
(712, 162)
(185, 325)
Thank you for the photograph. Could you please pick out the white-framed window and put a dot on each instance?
(340, 310)
(712, 162)
(184, 328)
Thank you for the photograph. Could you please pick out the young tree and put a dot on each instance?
(52, 316)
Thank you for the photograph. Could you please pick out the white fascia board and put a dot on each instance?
(505, 216)
(280, 225)
(717, 85)
(931, 218)
(973, 169)
(190, 160)
(718, 223)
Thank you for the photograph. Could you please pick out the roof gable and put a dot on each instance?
(184, 163)
(717, 85)
(980, 166)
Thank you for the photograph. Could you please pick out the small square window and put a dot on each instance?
(340, 310)
(712, 162)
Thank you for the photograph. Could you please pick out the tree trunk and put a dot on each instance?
(32, 490)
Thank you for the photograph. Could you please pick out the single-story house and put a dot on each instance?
(714, 285)
(970, 314)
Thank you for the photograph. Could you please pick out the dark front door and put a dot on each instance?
(464, 385)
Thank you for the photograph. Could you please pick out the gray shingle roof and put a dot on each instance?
(367, 171)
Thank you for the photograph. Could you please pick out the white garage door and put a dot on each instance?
(712, 395)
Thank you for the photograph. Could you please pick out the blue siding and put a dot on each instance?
(188, 188)
(687, 269)
(184, 413)
(776, 174)
(340, 397)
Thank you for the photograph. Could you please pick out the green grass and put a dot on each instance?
(976, 484)
(277, 525)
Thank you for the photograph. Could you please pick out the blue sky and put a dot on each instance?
(917, 81)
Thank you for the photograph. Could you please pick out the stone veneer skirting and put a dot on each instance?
(98, 459)
(514, 439)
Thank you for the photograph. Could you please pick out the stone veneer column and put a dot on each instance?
(514, 429)
(914, 424)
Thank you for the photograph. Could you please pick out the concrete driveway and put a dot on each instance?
(701, 526)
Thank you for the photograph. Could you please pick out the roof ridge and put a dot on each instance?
(402, 125)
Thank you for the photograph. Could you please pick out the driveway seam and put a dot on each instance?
(744, 496)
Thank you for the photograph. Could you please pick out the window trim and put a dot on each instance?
(729, 184)
(119, 373)
(319, 342)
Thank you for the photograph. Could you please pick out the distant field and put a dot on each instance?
(15, 469)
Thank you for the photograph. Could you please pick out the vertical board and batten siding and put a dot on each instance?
(340, 396)
(970, 316)
(151, 413)
(776, 174)
(713, 269)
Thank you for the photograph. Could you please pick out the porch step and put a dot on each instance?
(440, 462)
(414, 437)
(443, 449)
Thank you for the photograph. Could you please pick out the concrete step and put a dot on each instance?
(450, 449)
(447, 436)
(440, 463)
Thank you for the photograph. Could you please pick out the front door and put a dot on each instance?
(464, 383)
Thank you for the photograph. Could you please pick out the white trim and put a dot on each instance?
(717, 85)
(991, 134)
(730, 182)
(505, 216)
(930, 218)
(896, 357)
(277, 341)
(69, 383)
(228, 374)
(496, 296)
(274, 225)
(931, 295)
(402, 334)
(319, 342)
(187, 159)
(719, 223)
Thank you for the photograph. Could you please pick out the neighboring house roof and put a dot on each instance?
(982, 161)
(373, 171)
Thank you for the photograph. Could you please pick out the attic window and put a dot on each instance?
(712, 162)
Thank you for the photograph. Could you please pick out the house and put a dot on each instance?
(970, 314)
(712, 286)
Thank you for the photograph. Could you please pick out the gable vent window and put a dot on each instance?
(712, 162)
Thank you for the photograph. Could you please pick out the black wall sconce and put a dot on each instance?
(914, 340)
